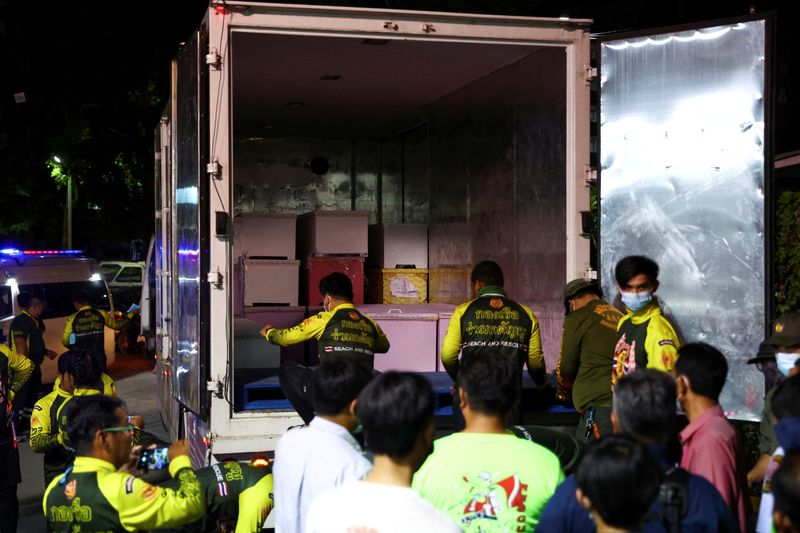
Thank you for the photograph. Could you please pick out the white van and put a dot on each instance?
(54, 275)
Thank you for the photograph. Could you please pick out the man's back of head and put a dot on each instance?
(491, 383)
(84, 367)
(337, 383)
(488, 274)
(644, 405)
(80, 298)
(786, 489)
(337, 286)
(704, 367)
(396, 412)
(618, 464)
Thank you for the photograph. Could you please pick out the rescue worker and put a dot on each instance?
(26, 337)
(493, 321)
(45, 435)
(238, 496)
(587, 347)
(94, 496)
(341, 331)
(86, 325)
(645, 338)
(21, 367)
(84, 375)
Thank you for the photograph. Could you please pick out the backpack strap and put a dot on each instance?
(673, 495)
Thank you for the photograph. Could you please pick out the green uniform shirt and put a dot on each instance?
(489, 482)
(21, 367)
(767, 440)
(31, 330)
(494, 321)
(85, 327)
(94, 497)
(587, 354)
(45, 435)
(342, 332)
(234, 492)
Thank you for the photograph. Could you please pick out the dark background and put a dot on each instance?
(95, 79)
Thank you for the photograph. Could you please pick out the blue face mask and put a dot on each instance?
(636, 300)
(786, 361)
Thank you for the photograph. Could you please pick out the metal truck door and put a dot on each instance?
(189, 334)
(683, 179)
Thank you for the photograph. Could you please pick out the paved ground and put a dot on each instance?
(136, 385)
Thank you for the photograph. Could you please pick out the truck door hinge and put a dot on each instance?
(589, 74)
(428, 28)
(217, 387)
(215, 278)
(213, 59)
(214, 169)
(590, 175)
(390, 25)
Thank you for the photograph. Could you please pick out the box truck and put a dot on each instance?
(476, 126)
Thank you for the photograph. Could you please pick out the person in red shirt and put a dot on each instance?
(711, 446)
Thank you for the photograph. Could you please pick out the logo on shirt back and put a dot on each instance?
(497, 303)
(354, 316)
(502, 501)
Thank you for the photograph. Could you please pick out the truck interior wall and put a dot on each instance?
(484, 166)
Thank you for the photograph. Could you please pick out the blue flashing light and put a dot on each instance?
(10, 251)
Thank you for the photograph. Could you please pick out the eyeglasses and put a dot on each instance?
(128, 429)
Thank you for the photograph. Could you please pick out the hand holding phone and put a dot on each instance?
(154, 459)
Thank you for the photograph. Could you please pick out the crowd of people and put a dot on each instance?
(659, 453)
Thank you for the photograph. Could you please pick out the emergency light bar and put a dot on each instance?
(15, 251)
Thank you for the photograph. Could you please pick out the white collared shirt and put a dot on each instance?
(308, 462)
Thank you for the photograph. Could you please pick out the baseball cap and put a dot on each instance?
(786, 331)
(577, 285)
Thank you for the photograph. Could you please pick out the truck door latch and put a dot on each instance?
(215, 278)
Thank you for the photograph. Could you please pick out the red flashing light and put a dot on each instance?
(220, 10)
(52, 252)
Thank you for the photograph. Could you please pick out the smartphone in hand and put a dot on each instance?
(153, 459)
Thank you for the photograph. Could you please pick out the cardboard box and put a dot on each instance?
(271, 236)
(316, 268)
(397, 245)
(397, 285)
(449, 285)
(332, 233)
(270, 283)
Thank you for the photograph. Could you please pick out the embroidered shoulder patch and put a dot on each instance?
(129, 485)
(666, 342)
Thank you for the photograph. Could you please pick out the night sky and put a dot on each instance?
(95, 78)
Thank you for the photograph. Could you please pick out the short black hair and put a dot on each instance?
(81, 297)
(786, 398)
(491, 381)
(63, 362)
(489, 273)
(633, 265)
(618, 464)
(83, 365)
(337, 285)
(394, 409)
(704, 366)
(337, 383)
(25, 299)
(786, 487)
(645, 405)
(86, 415)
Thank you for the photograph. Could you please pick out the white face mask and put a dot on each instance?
(786, 361)
(636, 300)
